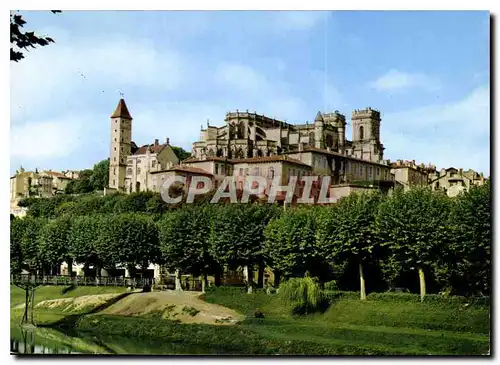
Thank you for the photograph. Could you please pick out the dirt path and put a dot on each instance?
(184, 306)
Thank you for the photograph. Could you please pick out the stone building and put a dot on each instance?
(453, 181)
(408, 174)
(130, 167)
(253, 144)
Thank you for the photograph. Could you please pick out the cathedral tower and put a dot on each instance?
(121, 137)
(366, 135)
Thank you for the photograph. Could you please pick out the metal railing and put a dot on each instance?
(67, 280)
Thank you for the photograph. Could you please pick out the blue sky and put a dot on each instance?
(427, 72)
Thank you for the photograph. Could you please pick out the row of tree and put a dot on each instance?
(419, 236)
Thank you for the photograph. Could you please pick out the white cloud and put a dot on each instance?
(395, 80)
(298, 20)
(240, 77)
(67, 69)
(47, 138)
(454, 134)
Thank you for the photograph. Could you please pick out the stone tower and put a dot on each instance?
(319, 124)
(366, 135)
(121, 137)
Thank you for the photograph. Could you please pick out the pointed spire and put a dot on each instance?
(121, 111)
(319, 117)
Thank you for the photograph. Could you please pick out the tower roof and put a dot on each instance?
(121, 111)
(319, 117)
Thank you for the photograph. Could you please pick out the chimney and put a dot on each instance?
(167, 141)
(156, 142)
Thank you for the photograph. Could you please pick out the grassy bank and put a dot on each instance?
(382, 325)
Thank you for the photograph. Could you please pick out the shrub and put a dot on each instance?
(331, 285)
(304, 294)
(258, 314)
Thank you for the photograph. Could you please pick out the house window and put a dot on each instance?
(378, 171)
(153, 163)
(271, 172)
(114, 159)
(217, 168)
(241, 172)
(138, 171)
(256, 171)
(355, 167)
(114, 182)
(361, 169)
(246, 172)
(138, 160)
(129, 171)
(314, 161)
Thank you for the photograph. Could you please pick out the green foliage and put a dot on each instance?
(184, 240)
(303, 294)
(83, 239)
(20, 40)
(130, 239)
(180, 153)
(413, 226)
(237, 233)
(466, 261)
(54, 238)
(290, 243)
(24, 235)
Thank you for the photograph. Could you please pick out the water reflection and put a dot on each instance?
(50, 341)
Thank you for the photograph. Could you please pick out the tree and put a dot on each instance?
(355, 237)
(100, 175)
(180, 153)
(184, 241)
(25, 243)
(128, 239)
(413, 226)
(20, 41)
(237, 236)
(303, 294)
(466, 263)
(54, 243)
(84, 238)
(290, 245)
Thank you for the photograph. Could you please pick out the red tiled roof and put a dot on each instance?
(121, 111)
(154, 148)
(194, 170)
(56, 174)
(278, 158)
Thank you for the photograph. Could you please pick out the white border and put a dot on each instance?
(188, 5)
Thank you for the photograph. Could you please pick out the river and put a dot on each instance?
(49, 341)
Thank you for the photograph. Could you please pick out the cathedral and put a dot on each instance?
(252, 144)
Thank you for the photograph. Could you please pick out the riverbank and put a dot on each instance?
(399, 326)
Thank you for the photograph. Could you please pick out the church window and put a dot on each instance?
(114, 159)
(217, 168)
(115, 130)
(114, 148)
(361, 133)
(114, 182)
(138, 170)
(114, 139)
(129, 171)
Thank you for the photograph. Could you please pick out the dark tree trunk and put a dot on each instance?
(260, 280)
(277, 278)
